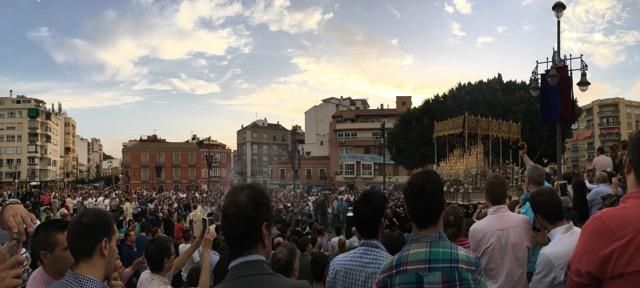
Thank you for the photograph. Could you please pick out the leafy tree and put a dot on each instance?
(410, 142)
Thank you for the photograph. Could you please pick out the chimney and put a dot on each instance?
(59, 107)
(53, 109)
(381, 106)
(10, 93)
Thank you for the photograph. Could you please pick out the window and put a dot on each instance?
(349, 169)
(160, 158)
(307, 173)
(192, 173)
(284, 138)
(126, 158)
(32, 161)
(145, 158)
(18, 138)
(145, 174)
(323, 173)
(176, 173)
(377, 135)
(346, 150)
(321, 143)
(347, 135)
(215, 172)
(10, 162)
(282, 173)
(11, 138)
(176, 158)
(366, 169)
(1, 138)
(192, 158)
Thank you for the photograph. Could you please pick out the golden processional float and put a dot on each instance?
(469, 142)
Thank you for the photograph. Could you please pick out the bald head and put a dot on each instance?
(602, 178)
(496, 189)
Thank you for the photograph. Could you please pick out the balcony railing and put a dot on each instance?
(612, 136)
(609, 124)
(609, 112)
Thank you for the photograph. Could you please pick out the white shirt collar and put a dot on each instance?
(564, 229)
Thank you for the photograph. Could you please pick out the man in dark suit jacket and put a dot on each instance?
(246, 225)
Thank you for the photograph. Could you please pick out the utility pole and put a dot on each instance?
(384, 154)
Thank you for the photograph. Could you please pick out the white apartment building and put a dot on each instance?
(318, 119)
(82, 151)
(30, 141)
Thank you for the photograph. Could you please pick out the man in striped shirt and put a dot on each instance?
(92, 238)
(429, 259)
(360, 267)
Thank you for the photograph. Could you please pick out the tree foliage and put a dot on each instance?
(410, 141)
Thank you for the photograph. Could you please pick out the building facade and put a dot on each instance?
(317, 121)
(30, 150)
(603, 122)
(70, 155)
(259, 145)
(82, 150)
(152, 163)
(111, 167)
(311, 171)
(356, 153)
(96, 156)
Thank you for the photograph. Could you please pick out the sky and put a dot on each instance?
(126, 68)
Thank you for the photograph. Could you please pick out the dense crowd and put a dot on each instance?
(577, 231)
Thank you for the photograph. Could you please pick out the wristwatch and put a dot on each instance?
(8, 202)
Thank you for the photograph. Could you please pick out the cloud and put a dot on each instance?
(448, 8)
(482, 40)
(118, 42)
(456, 29)
(599, 29)
(394, 42)
(181, 84)
(526, 2)
(526, 27)
(463, 6)
(74, 95)
(361, 66)
(278, 17)
(501, 29)
(393, 11)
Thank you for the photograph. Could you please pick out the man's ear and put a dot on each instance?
(104, 247)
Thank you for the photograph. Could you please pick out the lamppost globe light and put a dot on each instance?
(558, 8)
(583, 84)
(534, 87)
(553, 77)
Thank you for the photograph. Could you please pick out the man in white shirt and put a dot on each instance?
(333, 246)
(194, 259)
(100, 202)
(353, 241)
(602, 162)
(552, 261)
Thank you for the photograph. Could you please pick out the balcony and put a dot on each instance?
(608, 112)
(611, 136)
(609, 124)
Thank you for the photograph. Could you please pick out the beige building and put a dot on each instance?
(356, 152)
(96, 156)
(603, 123)
(82, 150)
(30, 148)
(259, 145)
(71, 171)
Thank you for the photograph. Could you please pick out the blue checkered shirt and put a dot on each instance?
(75, 280)
(359, 267)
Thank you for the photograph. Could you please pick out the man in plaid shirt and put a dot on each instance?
(360, 267)
(430, 259)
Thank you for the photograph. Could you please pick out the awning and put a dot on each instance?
(609, 130)
(583, 135)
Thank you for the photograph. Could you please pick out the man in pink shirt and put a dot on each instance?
(608, 251)
(49, 250)
(502, 240)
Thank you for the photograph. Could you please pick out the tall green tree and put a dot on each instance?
(410, 141)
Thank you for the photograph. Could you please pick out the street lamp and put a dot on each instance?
(553, 77)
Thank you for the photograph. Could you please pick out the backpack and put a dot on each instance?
(610, 200)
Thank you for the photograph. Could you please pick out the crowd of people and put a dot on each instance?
(577, 231)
